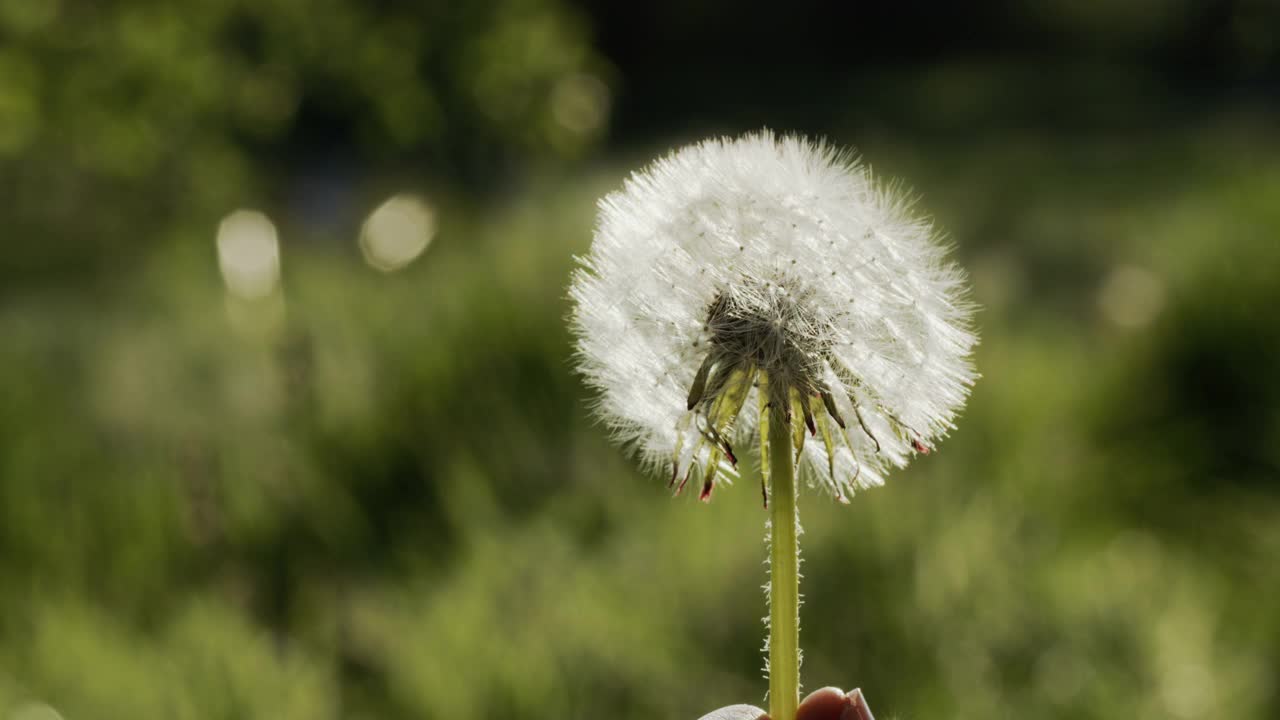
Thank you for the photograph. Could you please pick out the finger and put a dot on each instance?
(736, 712)
(825, 704)
(831, 703)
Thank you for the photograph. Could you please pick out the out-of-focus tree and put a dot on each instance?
(122, 124)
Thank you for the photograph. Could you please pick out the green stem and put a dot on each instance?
(784, 581)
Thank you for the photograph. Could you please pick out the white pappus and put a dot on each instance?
(742, 273)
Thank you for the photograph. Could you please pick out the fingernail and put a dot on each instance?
(857, 708)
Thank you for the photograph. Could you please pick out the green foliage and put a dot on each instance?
(377, 495)
(380, 496)
(124, 125)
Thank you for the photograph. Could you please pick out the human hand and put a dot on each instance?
(829, 703)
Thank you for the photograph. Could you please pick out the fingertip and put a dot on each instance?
(827, 703)
(736, 712)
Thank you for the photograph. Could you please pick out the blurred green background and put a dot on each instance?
(288, 421)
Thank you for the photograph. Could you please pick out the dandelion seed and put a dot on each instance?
(736, 275)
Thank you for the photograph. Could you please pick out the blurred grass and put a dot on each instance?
(377, 496)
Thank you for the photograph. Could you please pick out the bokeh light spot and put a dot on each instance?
(34, 711)
(580, 103)
(1187, 690)
(249, 254)
(1131, 297)
(397, 232)
(1062, 675)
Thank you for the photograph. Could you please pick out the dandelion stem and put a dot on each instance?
(784, 580)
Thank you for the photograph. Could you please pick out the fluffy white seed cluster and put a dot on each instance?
(738, 275)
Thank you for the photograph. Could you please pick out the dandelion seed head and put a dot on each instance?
(766, 271)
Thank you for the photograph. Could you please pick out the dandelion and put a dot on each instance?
(768, 291)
